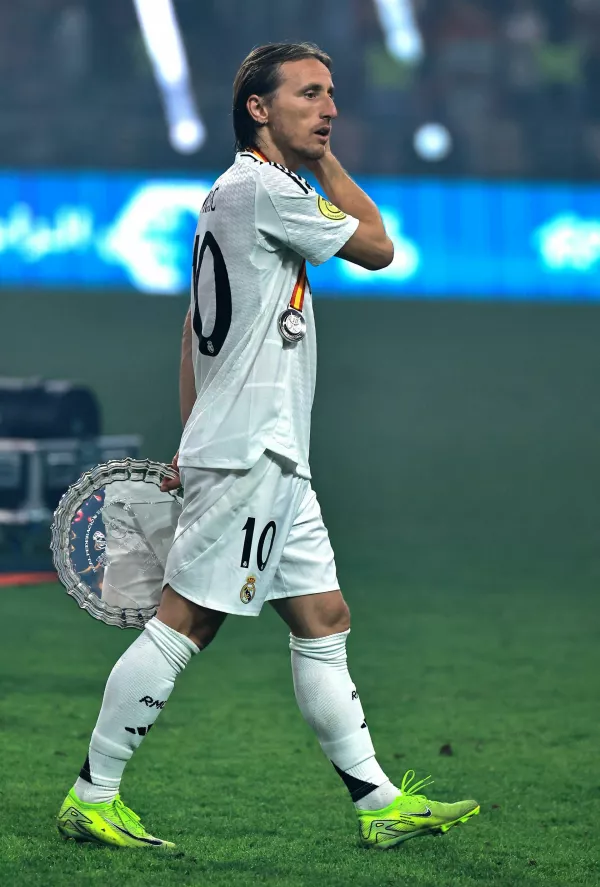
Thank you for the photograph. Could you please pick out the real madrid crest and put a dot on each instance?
(248, 590)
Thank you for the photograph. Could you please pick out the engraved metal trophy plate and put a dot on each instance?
(111, 535)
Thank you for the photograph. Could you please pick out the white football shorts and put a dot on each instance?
(246, 537)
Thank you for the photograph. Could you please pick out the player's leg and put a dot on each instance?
(137, 690)
(144, 676)
(226, 549)
(318, 619)
(327, 696)
(139, 687)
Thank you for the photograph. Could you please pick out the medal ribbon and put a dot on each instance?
(297, 300)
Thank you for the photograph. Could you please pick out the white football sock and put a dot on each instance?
(329, 702)
(136, 692)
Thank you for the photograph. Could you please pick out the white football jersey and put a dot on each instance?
(258, 226)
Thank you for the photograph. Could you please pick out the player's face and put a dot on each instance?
(301, 111)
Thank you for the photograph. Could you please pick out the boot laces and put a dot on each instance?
(413, 790)
(126, 813)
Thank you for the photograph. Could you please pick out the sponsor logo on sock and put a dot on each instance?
(153, 703)
(141, 731)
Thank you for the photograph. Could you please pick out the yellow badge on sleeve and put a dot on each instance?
(330, 211)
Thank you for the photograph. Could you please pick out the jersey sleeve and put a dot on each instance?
(290, 212)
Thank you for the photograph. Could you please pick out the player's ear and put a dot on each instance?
(257, 108)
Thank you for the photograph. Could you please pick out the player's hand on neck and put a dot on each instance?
(322, 163)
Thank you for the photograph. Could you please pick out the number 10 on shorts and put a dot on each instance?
(262, 552)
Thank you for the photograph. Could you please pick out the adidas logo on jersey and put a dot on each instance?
(294, 176)
(302, 183)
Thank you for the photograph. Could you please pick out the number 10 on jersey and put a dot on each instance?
(210, 345)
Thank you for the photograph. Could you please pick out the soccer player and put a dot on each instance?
(251, 528)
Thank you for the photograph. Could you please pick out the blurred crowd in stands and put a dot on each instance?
(515, 82)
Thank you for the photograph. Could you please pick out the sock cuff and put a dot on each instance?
(332, 647)
(175, 647)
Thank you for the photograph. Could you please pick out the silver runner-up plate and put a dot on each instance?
(111, 534)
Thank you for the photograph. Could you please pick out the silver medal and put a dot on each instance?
(292, 325)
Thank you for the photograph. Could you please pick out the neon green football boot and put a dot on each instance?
(411, 815)
(112, 824)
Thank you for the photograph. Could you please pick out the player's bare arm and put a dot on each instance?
(187, 384)
(369, 246)
(187, 392)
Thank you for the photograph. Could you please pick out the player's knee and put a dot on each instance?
(316, 615)
(334, 618)
(197, 623)
(342, 617)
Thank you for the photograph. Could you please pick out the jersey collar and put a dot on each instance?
(255, 154)
(258, 154)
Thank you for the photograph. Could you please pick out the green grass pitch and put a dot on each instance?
(455, 451)
(509, 679)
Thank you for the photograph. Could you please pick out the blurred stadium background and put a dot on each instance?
(456, 428)
(514, 81)
(475, 126)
